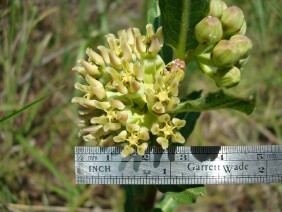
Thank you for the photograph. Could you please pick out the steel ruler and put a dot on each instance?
(180, 165)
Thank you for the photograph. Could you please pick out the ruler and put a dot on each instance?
(180, 165)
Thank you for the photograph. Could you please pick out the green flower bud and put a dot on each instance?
(243, 29)
(232, 20)
(216, 8)
(227, 78)
(243, 43)
(209, 30)
(225, 54)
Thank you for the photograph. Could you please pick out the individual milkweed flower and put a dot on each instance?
(167, 129)
(151, 44)
(113, 116)
(126, 88)
(94, 88)
(136, 137)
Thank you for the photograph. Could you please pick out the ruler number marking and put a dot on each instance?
(79, 157)
(267, 156)
(183, 157)
(146, 171)
(261, 169)
(146, 157)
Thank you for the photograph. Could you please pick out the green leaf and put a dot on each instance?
(217, 100)
(153, 11)
(190, 117)
(179, 19)
(184, 194)
(27, 106)
(166, 204)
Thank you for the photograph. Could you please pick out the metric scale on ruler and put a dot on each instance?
(180, 165)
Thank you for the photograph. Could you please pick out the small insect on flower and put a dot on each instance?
(175, 65)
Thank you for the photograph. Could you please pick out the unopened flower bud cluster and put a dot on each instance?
(129, 93)
(223, 47)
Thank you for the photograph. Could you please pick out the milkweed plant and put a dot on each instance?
(130, 95)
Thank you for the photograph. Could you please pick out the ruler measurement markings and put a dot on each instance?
(197, 180)
(266, 159)
(271, 155)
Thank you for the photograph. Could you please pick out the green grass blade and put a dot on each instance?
(46, 163)
(12, 115)
(60, 191)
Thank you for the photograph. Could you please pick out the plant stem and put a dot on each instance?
(150, 197)
(139, 198)
(180, 52)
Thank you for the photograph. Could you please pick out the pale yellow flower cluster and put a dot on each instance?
(129, 93)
